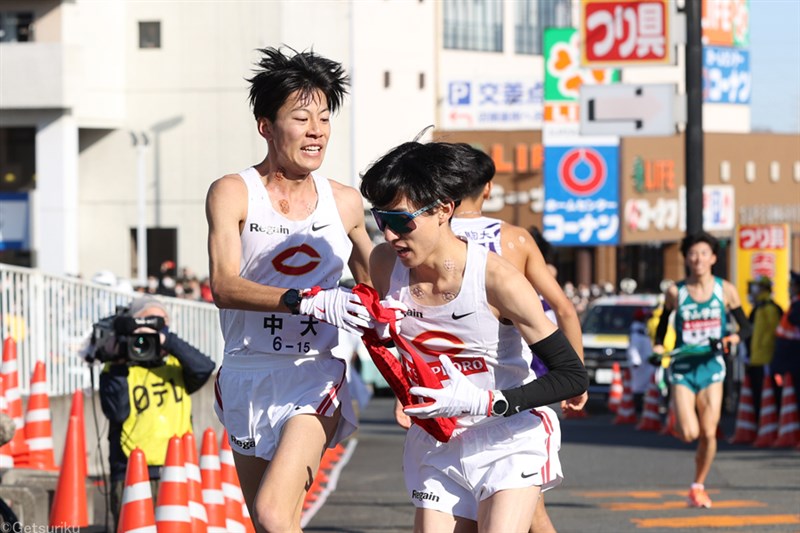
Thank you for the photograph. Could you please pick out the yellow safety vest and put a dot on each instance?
(160, 408)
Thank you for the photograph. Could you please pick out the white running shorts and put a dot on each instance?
(256, 395)
(506, 453)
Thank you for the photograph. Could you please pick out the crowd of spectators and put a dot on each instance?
(178, 284)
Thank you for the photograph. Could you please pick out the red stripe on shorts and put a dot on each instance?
(328, 400)
(548, 427)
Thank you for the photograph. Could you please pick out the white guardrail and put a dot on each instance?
(50, 317)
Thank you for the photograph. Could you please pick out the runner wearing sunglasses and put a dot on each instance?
(467, 310)
(279, 237)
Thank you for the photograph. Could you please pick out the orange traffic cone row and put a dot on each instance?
(76, 410)
(196, 508)
(136, 513)
(38, 428)
(626, 412)
(69, 502)
(768, 418)
(6, 459)
(248, 522)
(172, 506)
(744, 431)
(789, 425)
(651, 415)
(234, 521)
(211, 478)
(17, 446)
(615, 390)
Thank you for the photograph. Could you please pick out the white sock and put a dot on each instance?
(698, 486)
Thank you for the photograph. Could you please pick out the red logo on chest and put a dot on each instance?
(279, 262)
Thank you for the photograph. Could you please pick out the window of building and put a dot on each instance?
(17, 159)
(150, 34)
(473, 25)
(387, 79)
(16, 27)
(421, 80)
(532, 17)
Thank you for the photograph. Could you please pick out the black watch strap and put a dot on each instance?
(291, 299)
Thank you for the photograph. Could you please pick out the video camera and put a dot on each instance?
(113, 338)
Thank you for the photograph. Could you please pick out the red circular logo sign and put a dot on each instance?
(582, 171)
(419, 343)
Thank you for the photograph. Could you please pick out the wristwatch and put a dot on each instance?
(499, 404)
(291, 299)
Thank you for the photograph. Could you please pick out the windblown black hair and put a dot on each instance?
(483, 169)
(701, 236)
(422, 173)
(280, 74)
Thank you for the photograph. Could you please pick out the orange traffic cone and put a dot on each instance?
(651, 416)
(136, 514)
(18, 448)
(626, 412)
(69, 502)
(172, 506)
(768, 418)
(744, 431)
(196, 508)
(615, 390)
(246, 520)
(211, 478)
(38, 428)
(77, 410)
(6, 459)
(789, 426)
(234, 499)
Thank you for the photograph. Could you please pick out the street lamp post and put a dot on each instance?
(140, 142)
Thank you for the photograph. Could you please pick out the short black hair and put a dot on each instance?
(280, 74)
(483, 169)
(700, 236)
(422, 173)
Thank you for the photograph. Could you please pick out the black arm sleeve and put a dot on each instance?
(661, 329)
(197, 367)
(745, 326)
(566, 378)
(113, 390)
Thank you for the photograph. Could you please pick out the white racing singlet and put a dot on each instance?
(464, 329)
(295, 254)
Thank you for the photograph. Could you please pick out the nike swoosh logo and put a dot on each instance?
(459, 317)
(316, 227)
(525, 476)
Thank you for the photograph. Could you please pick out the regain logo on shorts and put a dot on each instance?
(244, 444)
(421, 496)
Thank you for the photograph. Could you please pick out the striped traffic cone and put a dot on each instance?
(136, 513)
(615, 390)
(246, 520)
(38, 428)
(626, 412)
(234, 521)
(9, 371)
(789, 426)
(768, 418)
(211, 478)
(651, 416)
(172, 507)
(6, 459)
(744, 431)
(196, 508)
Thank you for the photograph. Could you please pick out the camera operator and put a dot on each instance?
(146, 397)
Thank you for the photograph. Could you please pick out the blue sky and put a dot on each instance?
(775, 65)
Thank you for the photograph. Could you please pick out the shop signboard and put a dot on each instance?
(626, 33)
(726, 75)
(513, 103)
(719, 207)
(581, 185)
(763, 250)
(726, 22)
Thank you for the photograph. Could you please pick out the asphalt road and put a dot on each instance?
(617, 480)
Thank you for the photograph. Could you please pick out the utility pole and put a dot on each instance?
(140, 143)
(694, 117)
